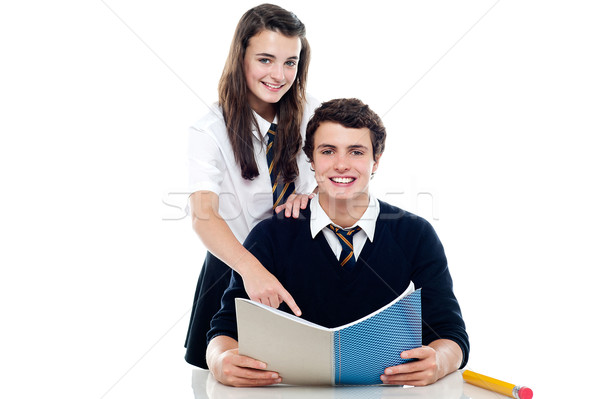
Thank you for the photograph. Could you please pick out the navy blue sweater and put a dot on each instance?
(405, 247)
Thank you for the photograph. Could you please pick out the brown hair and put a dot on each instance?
(350, 113)
(233, 93)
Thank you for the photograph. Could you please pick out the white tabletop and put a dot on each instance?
(450, 387)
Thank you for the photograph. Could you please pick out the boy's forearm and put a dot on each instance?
(449, 355)
(216, 347)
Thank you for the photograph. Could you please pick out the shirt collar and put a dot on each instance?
(319, 219)
(263, 126)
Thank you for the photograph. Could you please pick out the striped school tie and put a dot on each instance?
(345, 237)
(280, 190)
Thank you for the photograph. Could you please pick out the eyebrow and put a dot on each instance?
(350, 147)
(272, 56)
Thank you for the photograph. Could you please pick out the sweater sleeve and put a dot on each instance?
(442, 317)
(224, 322)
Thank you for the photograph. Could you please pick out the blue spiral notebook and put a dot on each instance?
(305, 353)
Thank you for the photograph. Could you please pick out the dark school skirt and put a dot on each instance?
(214, 279)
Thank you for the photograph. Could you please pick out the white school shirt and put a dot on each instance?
(319, 222)
(212, 167)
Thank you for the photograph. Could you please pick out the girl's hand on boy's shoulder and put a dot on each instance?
(294, 203)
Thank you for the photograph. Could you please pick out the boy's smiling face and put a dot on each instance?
(343, 163)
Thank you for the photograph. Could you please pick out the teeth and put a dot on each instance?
(272, 86)
(343, 180)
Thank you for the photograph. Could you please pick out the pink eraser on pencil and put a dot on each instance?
(525, 393)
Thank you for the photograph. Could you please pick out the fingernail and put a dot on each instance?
(274, 375)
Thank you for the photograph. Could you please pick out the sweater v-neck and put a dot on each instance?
(334, 263)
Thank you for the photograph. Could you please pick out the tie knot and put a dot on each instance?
(345, 238)
(345, 233)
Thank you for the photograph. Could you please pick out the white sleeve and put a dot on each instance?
(205, 162)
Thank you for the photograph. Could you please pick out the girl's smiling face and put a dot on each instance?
(270, 67)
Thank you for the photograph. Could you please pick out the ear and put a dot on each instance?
(376, 164)
(312, 165)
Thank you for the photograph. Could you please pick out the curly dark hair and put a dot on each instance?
(350, 113)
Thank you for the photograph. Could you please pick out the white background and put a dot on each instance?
(491, 108)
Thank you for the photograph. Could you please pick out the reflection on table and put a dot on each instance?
(450, 387)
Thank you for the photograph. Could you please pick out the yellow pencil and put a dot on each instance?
(505, 388)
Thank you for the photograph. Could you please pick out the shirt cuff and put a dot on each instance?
(205, 186)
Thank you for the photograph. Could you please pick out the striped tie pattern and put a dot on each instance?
(280, 190)
(345, 238)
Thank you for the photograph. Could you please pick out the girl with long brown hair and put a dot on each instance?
(245, 160)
